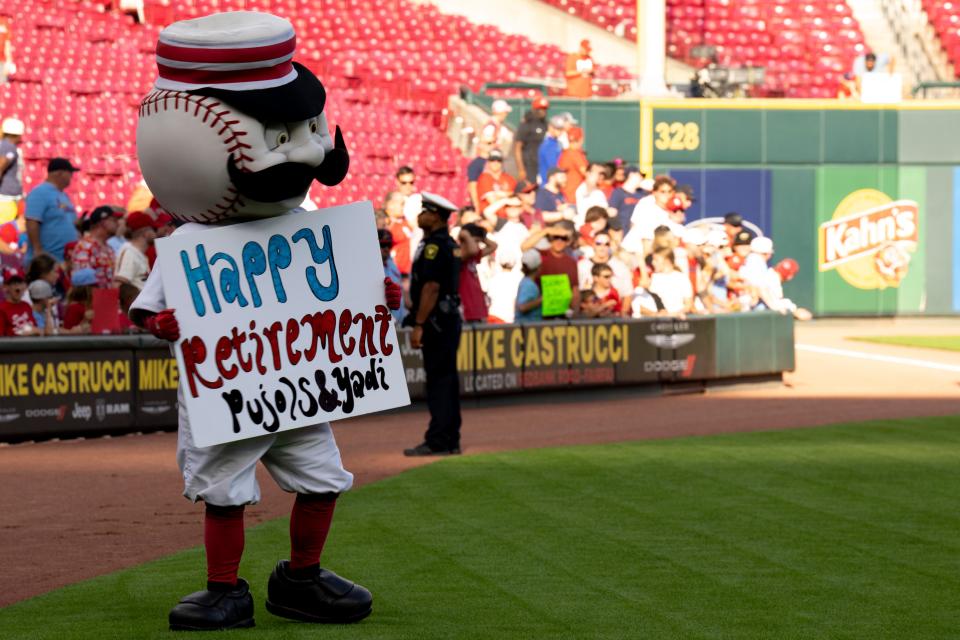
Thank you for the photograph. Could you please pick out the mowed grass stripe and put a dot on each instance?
(945, 343)
(837, 532)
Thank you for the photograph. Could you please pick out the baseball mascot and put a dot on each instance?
(234, 130)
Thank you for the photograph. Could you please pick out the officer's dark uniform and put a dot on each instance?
(438, 260)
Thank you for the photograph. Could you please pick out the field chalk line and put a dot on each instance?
(909, 362)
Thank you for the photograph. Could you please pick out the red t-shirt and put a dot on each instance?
(471, 293)
(572, 161)
(487, 182)
(74, 314)
(16, 317)
(401, 233)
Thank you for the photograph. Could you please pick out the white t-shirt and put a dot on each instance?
(673, 288)
(503, 293)
(646, 217)
(132, 265)
(622, 279)
(754, 270)
(642, 300)
(509, 238)
(587, 198)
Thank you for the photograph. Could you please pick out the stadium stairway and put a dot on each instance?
(390, 66)
(944, 17)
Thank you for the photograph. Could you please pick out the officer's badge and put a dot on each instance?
(430, 251)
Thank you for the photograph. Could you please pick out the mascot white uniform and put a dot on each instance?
(233, 130)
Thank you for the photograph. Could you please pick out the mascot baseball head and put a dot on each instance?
(234, 128)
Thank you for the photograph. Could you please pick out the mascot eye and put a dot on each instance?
(314, 126)
(276, 135)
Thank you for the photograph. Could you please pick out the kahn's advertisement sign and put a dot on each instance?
(870, 240)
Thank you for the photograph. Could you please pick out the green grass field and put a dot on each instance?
(947, 343)
(837, 532)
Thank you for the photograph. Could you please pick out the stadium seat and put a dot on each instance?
(389, 65)
(754, 33)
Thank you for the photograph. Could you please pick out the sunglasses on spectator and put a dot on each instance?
(407, 182)
(564, 238)
(601, 244)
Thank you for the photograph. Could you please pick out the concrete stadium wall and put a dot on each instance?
(807, 172)
(58, 387)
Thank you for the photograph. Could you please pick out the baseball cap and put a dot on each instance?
(787, 268)
(761, 244)
(100, 214)
(541, 103)
(554, 171)
(138, 220)
(575, 133)
(631, 168)
(531, 259)
(496, 155)
(524, 186)
(501, 106)
(162, 219)
(81, 278)
(568, 117)
(437, 204)
(733, 219)
(558, 122)
(60, 164)
(40, 290)
(12, 274)
(744, 238)
(717, 238)
(12, 126)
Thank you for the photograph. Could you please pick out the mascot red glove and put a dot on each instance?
(394, 294)
(164, 325)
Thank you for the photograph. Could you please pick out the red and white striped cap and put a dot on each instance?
(237, 51)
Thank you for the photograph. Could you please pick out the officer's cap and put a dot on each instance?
(437, 204)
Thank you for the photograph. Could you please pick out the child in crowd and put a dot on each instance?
(591, 306)
(16, 315)
(79, 310)
(670, 284)
(44, 302)
(43, 267)
(607, 296)
(529, 301)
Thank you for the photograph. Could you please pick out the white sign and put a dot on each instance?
(283, 323)
(881, 88)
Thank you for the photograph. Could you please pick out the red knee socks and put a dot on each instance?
(223, 539)
(309, 526)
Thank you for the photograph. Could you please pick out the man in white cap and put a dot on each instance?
(235, 129)
(11, 169)
(492, 131)
(754, 270)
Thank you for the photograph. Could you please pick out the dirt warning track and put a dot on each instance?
(76, 509)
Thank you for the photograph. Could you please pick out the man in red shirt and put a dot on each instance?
(494, 183)
(574, 162)
(401, 230)
(557, 259)
(16, 316)
(579, 72)
(92, 251)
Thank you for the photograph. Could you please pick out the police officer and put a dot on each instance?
(435, 317)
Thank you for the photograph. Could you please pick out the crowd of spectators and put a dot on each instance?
(618, 239)
(610, 241)
(65, 273)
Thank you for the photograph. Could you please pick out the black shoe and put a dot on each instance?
(424, 449)
(214, 610)
(326, 597)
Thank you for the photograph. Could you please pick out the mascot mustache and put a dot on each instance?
(291, 179)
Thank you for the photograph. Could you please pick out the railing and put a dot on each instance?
(923, 87)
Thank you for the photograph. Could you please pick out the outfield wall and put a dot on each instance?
(865, 197)
(58, 387)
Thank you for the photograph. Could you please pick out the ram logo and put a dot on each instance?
(674, 341)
